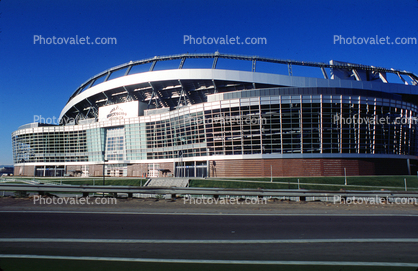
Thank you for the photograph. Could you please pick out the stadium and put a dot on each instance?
(241, 121)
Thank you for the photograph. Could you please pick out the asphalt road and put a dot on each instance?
(349, 238)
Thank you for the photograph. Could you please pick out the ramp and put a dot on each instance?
(168, 182)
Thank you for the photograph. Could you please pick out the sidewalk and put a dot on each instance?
(180, 206)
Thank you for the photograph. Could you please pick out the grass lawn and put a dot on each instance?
(314, 183)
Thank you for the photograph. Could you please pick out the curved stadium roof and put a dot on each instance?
(174, 87)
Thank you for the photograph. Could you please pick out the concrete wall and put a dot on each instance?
(307, 167)
(261, 168)
(24, 171)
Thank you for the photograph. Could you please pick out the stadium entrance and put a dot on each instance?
(191, 169)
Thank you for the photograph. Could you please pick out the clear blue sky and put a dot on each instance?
(38, 79)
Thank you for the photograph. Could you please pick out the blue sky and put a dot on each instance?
(37, 79)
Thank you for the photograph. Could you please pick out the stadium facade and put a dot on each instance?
(212, 122)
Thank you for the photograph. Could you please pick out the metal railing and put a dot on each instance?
(86, 189)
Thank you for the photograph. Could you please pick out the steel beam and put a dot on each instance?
(324, 72)
(215, 61)
(182, 63)
(356, 75)
(382, 77)
(215, 90)
(184, 94)
(107, 76)
(155, 93)
(153, 65)
(128, 70)
(403, 80)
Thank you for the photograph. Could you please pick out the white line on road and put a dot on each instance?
(170, 241)
(210, 214)
(202, 261)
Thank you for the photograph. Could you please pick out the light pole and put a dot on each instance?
(104, 165)
(345, 176)
(181, 169)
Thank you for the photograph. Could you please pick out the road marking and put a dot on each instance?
(202, 261)
(209, 214)
(170, 241)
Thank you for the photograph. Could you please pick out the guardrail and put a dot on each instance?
(86, 190)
